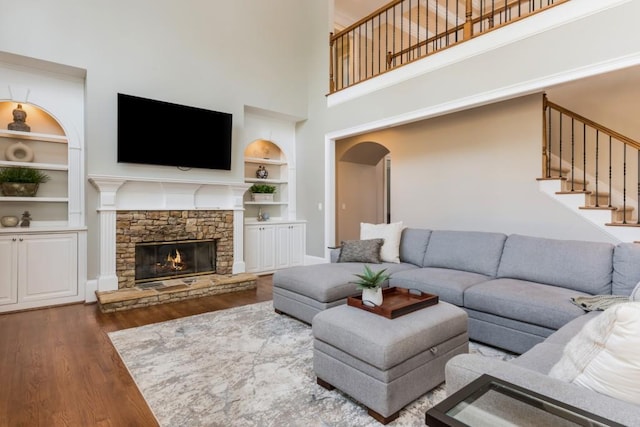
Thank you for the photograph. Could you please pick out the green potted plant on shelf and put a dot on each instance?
(20, 181)
(262, 192)
(370, 282)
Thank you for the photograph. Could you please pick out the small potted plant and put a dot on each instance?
(262, 192)
(370, 283)
(20, 181)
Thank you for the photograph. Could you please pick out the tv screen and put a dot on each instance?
(161, 133)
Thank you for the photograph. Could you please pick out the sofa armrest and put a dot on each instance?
(464, 368)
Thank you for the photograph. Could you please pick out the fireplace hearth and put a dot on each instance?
(170, 260)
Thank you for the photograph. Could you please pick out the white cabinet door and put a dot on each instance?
(283, 247)
(290, 245)
(252, 248)
(8, 270)
(267, 248)
(259, 248)
(47, 266)
(297, 245)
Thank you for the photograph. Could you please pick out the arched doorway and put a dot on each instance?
(362, 187)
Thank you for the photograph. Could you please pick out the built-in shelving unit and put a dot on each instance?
(51, 155)
(41, 264)
(276, 165)
(278, 242)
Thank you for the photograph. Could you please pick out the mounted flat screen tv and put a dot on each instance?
(155, 132)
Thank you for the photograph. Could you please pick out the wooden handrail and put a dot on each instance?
(469, 23)
(365, 19)
(342, 76)
(630, 142)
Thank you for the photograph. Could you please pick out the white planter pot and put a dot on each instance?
(262, 197)
(372, 295)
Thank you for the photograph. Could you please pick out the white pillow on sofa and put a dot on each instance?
(604, 356)
(391, 234)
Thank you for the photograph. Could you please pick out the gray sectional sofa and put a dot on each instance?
(515, 289)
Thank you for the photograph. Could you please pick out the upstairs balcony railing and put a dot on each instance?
(592, 159)
(406, 30)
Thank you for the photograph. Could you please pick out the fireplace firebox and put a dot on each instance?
(170, 260)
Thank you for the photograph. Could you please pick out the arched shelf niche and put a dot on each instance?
(266, 163)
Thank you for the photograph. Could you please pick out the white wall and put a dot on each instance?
(274, 56)
(575, 49)
(477, 170)
(218, 55)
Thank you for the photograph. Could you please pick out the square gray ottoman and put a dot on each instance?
(383, 363)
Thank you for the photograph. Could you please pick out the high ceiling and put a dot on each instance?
(346, 12)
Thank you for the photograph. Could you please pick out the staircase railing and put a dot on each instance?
(406, 30)
(593, 159)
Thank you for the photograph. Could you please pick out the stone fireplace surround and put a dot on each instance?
(132, 209)
(171, 226)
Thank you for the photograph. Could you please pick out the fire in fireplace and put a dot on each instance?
(169, 260)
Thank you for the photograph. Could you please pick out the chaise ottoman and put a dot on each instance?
(384, 363)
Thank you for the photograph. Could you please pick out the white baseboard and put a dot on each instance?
(90, 291)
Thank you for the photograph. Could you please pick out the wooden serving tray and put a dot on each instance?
(396, 302)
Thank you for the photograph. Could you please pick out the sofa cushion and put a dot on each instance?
(390, 233)
(448, 284)
(535, 303)
(583, 266)
(604, 355)
(361, 251)
(473, 251)
(413, 245)
(626, 268)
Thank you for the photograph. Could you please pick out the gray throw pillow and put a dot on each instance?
(361, 251)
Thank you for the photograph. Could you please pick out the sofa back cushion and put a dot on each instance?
(571, 264)
(626, 268)
(413, 245)
(473, 251)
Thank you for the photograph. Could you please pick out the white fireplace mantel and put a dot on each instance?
(136, 193)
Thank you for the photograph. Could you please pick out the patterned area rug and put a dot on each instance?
(245, 366)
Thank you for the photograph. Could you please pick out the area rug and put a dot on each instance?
(245, 366)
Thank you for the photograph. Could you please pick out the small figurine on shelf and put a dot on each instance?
(25, 221)
(262, 172)
(260, 217)
(19, 120)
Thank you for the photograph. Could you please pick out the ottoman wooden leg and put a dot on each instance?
(324, 384)
(381, 418)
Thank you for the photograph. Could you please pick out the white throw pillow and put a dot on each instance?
(391, 233)
(604, 355)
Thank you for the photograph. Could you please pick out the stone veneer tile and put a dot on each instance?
(167, 226)
(174, 290)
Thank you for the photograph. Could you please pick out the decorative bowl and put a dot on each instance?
(9, 221)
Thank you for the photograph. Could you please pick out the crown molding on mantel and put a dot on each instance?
(131, 193)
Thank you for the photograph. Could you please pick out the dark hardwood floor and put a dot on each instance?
(58, 367)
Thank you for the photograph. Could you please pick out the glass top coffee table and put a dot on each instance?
(491, 402)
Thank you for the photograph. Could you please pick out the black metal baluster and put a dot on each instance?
(549, 144)
(401, 31)
(435, 39)
(418, 28)
(573, 154)
(597, 166)
(560, 146)
(624, 185)
(584, 157)
(446, 22)
(610, 172)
